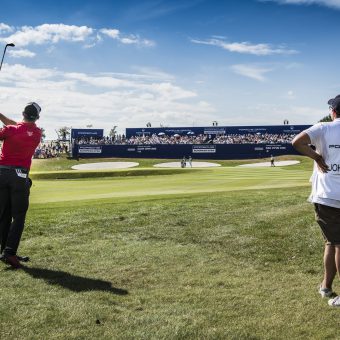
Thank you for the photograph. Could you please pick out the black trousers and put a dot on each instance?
(5, 224)
(14, 195)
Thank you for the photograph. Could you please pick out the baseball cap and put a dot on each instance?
(335, 103)
(32, 110)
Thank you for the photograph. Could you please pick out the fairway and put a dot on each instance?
(224, 253)
(198, 181)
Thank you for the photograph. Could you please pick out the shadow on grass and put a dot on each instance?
(72, 282)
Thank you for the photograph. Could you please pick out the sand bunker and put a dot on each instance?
(105, 166)
(266, 164)
(194, 165)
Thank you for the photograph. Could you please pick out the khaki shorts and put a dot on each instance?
(328, 219)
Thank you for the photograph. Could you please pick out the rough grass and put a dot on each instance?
(238, 264)
(80, 174)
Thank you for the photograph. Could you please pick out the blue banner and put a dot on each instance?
(178, 151)
(87, 133)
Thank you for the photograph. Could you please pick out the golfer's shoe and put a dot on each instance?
(12, 260)
(334, 302)
(325, 292)
(23, 258)
(20, 258)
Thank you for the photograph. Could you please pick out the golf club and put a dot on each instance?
(3, 56)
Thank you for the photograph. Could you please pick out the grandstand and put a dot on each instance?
(225, 142)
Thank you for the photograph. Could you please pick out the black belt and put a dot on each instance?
(10, 167)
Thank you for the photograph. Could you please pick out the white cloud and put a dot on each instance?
(153, 73)
(127, 39)
(48, 33)
(104, 100)
(165, 91)
(251, 71)
(5, 28)
(54, 33)
(328, 3)
(246, 47)
(21, 73)
(93, 41)
(22, 53)
(290, 95)
(112, 33)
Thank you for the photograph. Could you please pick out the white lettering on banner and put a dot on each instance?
(214, 131)
(253, 130)
(180, 131)
(93, 149)
(258, 149)
(131, 149)
(146, 148)
(275, 147)
(203, 149)
(88, 133)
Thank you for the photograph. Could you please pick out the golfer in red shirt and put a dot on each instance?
(19, 143)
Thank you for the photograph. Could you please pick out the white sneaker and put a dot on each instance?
(334, 302)
(325, 292)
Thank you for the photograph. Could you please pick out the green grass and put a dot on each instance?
(63, 163)
(202, 181)
(227, 253)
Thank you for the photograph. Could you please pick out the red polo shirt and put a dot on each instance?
(19, 144)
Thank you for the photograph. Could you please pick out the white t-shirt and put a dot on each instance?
(318, 134)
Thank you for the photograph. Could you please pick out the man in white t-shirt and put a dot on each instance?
(325, 196)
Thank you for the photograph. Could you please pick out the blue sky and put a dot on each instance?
(175, 63)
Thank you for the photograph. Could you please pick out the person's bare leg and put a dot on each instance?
(337, 258)
(331, 262)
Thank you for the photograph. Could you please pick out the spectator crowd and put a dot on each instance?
(250, 138)
(51, 149)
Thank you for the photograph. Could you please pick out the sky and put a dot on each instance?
(126, 63)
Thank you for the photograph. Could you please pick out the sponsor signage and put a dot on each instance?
(293, 129)
(276, 147)
(251, 130)
(178, 151)
(180, 131)
(146, 148)
(204, 149)
(87, 133)
(90, 149)
(214, 131)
